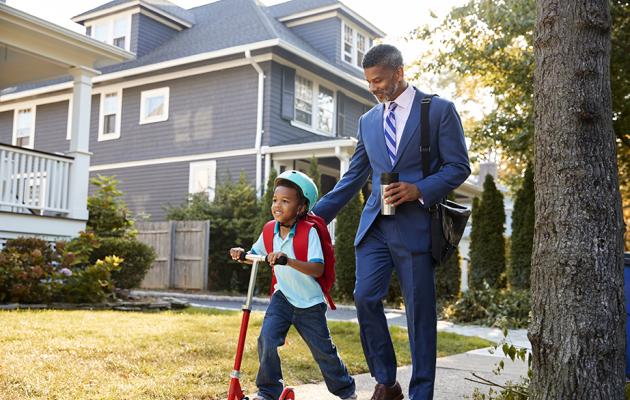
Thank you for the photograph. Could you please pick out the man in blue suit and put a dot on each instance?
(389, 141)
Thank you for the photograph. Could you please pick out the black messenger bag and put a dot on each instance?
(448, 219)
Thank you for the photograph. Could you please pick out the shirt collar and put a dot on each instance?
(276, 230)
(404, 99)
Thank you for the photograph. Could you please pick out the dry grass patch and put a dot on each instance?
(114, 355)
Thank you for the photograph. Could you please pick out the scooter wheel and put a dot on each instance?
(287, 394)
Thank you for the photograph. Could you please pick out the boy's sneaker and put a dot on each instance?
(353, 396)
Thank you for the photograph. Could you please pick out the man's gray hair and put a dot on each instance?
(383, 54)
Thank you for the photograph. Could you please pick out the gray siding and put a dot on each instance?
(51, 127)
(207, 113)
(324, 35)
(353, 111)
(6, 127)
(147, 34)
(149, 189)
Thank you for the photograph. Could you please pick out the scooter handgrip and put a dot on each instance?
(242, 256)
(282, 260)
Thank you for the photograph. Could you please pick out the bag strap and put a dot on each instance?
(268, 232)
(300, 240)
(425, 146)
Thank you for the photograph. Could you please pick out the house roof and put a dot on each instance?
(219, 25)
(164, 6)
(297, 6)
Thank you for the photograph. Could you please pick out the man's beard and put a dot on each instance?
(387, 96)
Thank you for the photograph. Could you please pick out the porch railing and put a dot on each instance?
(33, 181)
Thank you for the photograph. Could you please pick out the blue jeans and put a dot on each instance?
(311, 325)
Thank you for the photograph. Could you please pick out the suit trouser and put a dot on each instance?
(382, 249)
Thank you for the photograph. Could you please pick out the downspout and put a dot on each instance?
(259, 122)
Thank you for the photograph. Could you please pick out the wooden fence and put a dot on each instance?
(182, 254)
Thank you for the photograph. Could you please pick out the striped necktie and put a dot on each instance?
(390, 132)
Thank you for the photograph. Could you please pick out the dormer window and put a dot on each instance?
(114, 30)
(355, 45)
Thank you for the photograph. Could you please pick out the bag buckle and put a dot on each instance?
(426, 100)
(425, 149)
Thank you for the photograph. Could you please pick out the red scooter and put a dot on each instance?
(235, 392)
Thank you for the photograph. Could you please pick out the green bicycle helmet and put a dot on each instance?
(309, 189)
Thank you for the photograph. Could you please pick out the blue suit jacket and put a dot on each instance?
(449, 166)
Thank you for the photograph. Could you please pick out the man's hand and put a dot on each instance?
(401, 192)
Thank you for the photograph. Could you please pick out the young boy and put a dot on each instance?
(298, 299)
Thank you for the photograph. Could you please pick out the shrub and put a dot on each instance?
(108, 214)
(448, 278)
(138, 258)
(487, 254)
(491, 307)
(32, 271)
(522, 233)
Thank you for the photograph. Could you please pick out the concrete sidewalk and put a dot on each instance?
(451, 372)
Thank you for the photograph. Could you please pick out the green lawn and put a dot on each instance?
(188, 355)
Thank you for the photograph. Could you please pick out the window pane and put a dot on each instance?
(303, 100)
(154, 106)
(24, 122)
(110, 105)
(360, 49)
(325, 107)
(109, 123)
(347, 37)
(120, 42)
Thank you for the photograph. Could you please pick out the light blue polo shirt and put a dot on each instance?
(300, 289)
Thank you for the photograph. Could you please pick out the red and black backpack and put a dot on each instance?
(300, 247)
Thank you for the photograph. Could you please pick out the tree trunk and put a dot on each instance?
(578, 320)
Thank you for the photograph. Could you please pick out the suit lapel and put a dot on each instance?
(410, 127)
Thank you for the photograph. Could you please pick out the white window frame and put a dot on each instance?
(31, 138)
(355, 48)
(211, 190)
(109, 23)
(314, 126)
(109, 136)
(164, 91)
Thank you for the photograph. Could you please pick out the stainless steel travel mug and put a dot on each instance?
(387, 178)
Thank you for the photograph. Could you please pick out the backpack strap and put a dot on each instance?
(268, 232)
(425, 144)
(300, 240)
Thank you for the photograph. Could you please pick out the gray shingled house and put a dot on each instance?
(228, 86)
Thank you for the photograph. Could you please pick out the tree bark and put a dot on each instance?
(578, 319)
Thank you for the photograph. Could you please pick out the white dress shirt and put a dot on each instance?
(402, 111)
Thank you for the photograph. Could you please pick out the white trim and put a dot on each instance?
(110, 22)
(31, 138)
(116, 134)
(212, 177)
(160, 19)
(191, 59)
(327, 144)
(169, 160)
(153, 67)
(144, 95)
(121, 7)
(69, 123)
(144, 81)
(341, 7)
(311, 19)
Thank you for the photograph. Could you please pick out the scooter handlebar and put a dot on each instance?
(282, 260)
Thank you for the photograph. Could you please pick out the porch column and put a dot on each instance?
(80, 142)
(344, 161)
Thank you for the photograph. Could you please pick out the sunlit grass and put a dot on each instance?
(186, 355)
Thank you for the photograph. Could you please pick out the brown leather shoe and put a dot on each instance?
(382, 392)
